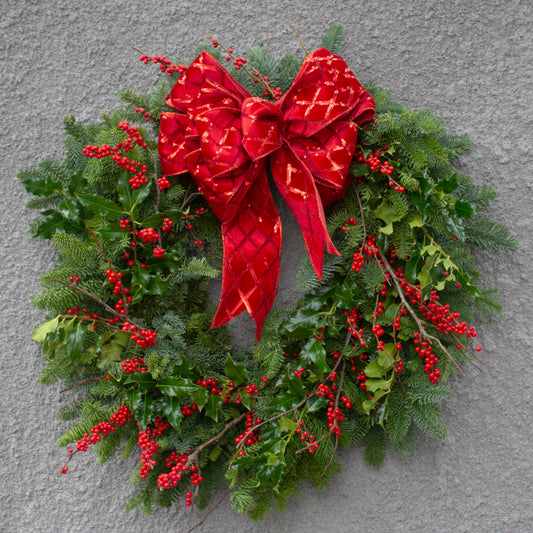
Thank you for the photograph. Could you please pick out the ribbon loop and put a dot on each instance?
(222, 136)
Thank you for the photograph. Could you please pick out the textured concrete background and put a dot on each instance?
(468, 61)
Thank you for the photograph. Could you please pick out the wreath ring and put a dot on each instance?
(362, 358)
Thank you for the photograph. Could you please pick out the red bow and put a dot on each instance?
(222, 137)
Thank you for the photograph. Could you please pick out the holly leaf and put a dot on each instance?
(360, 169)
(144, 380)
(304, 322)
(413, 266)
(173, 386)
(447, 185)
(51, 223)
(236, 373)
(213, 406)
(463, 209)
(199, 397)
(144, 282)
(172, 410)
(156, 220)
(99, 205)
(75, 341)
(130, 198)
(75, 182)
(145, 411)
(40, 333)
(315, 353)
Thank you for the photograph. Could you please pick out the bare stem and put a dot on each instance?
(82, 383)
(362, 214)
(88, 294)
(193, 456)
(93, 235)
(299, 38)
(210, 511)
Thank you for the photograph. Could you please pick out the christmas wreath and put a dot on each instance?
(173, 190)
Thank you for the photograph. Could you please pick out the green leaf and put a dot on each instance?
(130, 198)
(360, 169)
(42, 187)
(144, 380)
(76, 340)
(172, 410)
(52, 223)
(287, 424)
(416, 222)
(377, 384)
(113, 350)
(99, 205)
(199, 397)
(304, 322)
(156, 220)
(413, 266)
(385, 212)
(134, 397)
(40, 333)
(463, 209)
(144, 282)
(173, 386)
(236, 373)
(315, 353)
(76, 182)
(213, 407)
(448, 185)
(145, 411)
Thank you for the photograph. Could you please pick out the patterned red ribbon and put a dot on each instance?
(222, 136)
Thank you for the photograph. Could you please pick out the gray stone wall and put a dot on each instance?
(469, 62)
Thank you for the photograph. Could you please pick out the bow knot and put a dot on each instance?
(261, 124)
(222, 136)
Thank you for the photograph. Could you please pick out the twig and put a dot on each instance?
(299, 38)
(210, 511)
(362, 214)
(93, 235)
(216, 438)
(332, 456)
(82, 383)
(89, 295)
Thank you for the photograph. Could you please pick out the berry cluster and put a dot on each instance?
(117, 154)
(163, 183)
(308, 439)
(148, 235)
(350, 222)
(249, 436)
(425, 351)
(164, 64)
(149, 445)
(370, 249)
(143, 112)
(239, 62)
(102, 429)
(352, 317)
(130, 366)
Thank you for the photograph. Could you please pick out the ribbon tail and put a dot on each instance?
(251, 262)
(299, 190)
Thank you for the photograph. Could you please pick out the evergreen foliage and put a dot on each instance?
(351, 364)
